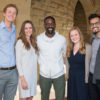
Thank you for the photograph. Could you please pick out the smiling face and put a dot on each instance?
(50, 26)
(75, 36)
(95, 25)
(28, 30)
(10, 14)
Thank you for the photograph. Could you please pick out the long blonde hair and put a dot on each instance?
(22, 36)
(70, 44)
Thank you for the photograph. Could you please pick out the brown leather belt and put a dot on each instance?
(9, 68)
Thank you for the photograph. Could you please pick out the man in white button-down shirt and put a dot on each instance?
(52, 47)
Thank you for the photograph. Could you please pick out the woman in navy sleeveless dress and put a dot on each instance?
(77, 88)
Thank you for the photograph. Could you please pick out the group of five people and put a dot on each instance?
(51, 51)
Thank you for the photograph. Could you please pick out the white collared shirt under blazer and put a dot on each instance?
(26, 61)
(51, 51)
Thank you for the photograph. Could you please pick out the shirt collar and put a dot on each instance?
(94, 37)
(46, 38)
(4, 26)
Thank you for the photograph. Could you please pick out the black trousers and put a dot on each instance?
(94, 89)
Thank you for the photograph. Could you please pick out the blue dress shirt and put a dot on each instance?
(7, 42)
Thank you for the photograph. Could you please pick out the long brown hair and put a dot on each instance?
(22, 36)
(70, 44)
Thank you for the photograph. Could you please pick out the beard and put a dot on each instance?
(96, 30)
(95, 33)
(50, 31)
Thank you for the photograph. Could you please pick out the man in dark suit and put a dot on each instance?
(94, 75)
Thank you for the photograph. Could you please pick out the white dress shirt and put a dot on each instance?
(51, 51)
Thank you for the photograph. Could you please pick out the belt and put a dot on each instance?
(9, 68)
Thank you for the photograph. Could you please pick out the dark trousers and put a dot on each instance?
(59, 87)
(94, 89)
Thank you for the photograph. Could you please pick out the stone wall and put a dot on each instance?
(56, 8)
(62, 10)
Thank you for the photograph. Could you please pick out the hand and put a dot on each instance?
(24, 83)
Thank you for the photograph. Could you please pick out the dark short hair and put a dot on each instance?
(93, 16)
(49, 17)
(10, 5)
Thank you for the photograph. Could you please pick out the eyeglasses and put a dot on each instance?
(50, 24)
(92, 24)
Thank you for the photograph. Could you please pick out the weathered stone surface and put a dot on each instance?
(63, 10)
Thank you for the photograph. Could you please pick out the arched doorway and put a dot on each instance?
(80, 19)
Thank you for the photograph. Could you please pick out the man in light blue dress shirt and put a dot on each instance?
(8, 72)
